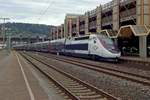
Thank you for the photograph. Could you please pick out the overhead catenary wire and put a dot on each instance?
(41, 11)
(45, 11)
(38, 16)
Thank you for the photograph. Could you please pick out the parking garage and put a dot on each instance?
(132, 40)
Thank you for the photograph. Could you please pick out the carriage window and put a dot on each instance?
(77, 46)
(82, 38)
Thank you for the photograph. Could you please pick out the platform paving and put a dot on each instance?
(137, 59)
(18, 82)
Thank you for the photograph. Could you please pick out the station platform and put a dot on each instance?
(19, 82)
(135, 59)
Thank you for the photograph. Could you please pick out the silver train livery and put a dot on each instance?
(94, 46)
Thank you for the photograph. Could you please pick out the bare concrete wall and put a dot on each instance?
(99, 17)
(78, 25)
(116, 15)
(86, 22)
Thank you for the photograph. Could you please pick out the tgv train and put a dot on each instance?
(95, 46)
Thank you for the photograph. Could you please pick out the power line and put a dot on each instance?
(3, 28)
(40, 11)
(45, 11)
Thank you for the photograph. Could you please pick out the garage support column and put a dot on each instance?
(99, 15)
(78, 26)
(86, 22)
(70, 27)
(51, 34)
(62, 31)
(66, 28)
(57, 34)
(143, 18)
(116, 15)
(143, 46)
(54, 34)
(116, 18)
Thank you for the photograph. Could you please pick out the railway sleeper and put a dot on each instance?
(65, 78)
(72, 84)
(68, 82)
(62, 93)
(81, 91)
(67, 98)
(78, 88)
(59, 91)
(86, 94)
(92, 97)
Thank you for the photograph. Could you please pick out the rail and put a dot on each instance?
(74, 85)
(118, 73)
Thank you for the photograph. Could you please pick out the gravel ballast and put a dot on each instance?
(124, 89)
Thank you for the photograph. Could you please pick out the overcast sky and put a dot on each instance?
(50, 12)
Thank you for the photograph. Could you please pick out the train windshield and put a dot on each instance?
(105, 40)
(108, 43)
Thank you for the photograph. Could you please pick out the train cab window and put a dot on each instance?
(94, 41)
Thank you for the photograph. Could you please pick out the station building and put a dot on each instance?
(126, 21)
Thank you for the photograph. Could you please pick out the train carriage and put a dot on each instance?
(57, 46)
(92, 46)
(95, 46)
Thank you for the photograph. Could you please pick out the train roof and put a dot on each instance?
(31, 44)
(59, 40)
(89, 35)
(41, 42)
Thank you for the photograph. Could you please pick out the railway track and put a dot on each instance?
(72, 87)
(114, 72)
